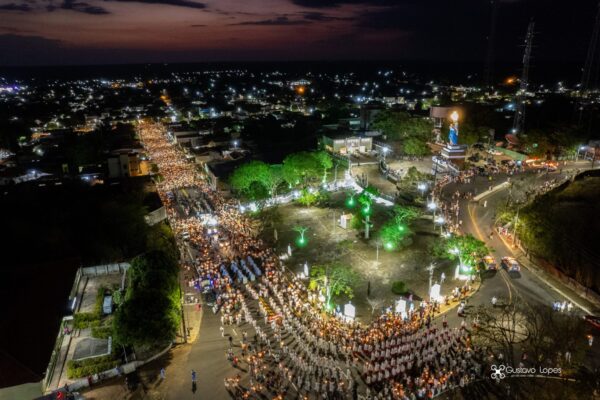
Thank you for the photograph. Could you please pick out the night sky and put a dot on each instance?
(56, 32)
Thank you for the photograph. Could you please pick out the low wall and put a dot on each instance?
(106, 269)
(156, 216)
(114, 372)
(492, 190)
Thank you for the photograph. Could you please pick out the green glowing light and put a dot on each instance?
(350, 202)
(301, 241)
(389, 245)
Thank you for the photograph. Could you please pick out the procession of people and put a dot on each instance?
(294, 349)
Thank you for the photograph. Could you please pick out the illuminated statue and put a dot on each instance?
(453, 136)
(453, 133)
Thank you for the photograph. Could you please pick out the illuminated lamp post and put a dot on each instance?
(440, 221)
(422, 186)
(432, 206)
(301, 240)
(385, 150)
(350, 202)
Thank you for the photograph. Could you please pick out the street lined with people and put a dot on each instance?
(297, 349)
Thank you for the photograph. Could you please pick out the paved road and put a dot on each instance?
(479, 220)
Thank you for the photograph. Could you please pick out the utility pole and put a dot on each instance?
(584, 86)
(519, 120)
(516, 222)
(488, 73)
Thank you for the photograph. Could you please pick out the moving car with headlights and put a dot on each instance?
(511, 264)
(489, 263)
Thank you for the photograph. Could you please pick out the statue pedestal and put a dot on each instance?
(451, 160)
(456, 153)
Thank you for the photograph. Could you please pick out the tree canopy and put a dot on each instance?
(466, 248)
(396, 231)
(258, 180)
(412, 132)
(300, 168)
(333, 280)
(150, 313)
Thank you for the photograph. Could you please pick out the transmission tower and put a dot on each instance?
(488, 73)
(519, 121)
(584, 87)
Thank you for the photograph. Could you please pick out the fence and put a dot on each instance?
(106, 269)
(512, 154)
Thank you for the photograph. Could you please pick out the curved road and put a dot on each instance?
(529, 286)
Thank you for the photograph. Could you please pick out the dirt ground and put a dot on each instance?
(327, 242)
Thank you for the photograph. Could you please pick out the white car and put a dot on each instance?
(511, 264)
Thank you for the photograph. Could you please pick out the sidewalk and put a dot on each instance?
(60, 367)
(475, 286)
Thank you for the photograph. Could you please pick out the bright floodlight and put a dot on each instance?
(439, 220)
(454, 250)
(385, 150)
(454, 116)
(422, 186)
(389, 245)
(431, 205)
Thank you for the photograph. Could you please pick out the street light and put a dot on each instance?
(422, 186)
(385, 151)
(235, 144)
(579, 149)
(432, 206)
(440, 221)
(350, 202)
(335, 174)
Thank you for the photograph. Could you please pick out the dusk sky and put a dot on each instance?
(49, 32)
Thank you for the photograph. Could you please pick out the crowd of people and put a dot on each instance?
(297, 350)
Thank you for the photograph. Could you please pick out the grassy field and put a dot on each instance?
(328, 242)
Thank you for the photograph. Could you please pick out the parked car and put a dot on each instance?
(474, 158)
(511, 264)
